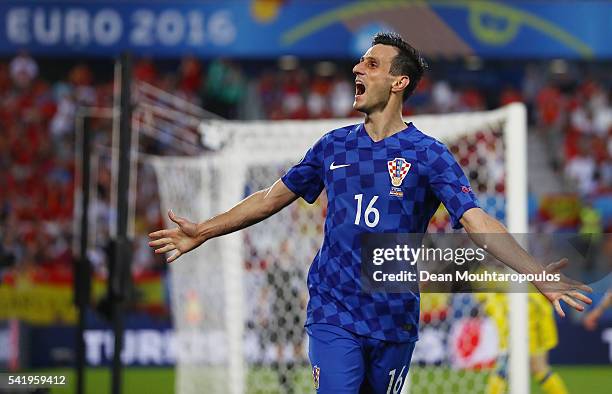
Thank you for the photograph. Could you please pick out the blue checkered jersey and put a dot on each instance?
(390, 186)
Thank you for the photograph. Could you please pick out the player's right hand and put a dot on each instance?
(182, 238)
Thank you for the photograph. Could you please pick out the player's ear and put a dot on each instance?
(400, 83)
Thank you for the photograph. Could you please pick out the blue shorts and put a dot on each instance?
(344, 362)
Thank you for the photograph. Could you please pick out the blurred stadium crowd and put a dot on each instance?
(570, 108)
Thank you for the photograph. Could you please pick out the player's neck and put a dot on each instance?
(382, 124)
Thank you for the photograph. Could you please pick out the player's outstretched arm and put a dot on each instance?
(485, 230)
(592, 317)
(253, 209)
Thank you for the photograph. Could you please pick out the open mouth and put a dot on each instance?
(359, 88)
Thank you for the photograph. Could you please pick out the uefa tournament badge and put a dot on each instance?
(398, 168)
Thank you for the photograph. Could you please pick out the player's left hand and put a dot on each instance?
(566, 289)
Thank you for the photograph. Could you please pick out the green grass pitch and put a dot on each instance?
(579, 379)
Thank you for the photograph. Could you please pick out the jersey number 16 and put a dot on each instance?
(369, 211)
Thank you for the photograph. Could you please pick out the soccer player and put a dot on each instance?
(543, 337)
(383, 176)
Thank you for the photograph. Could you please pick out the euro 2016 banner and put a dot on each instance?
(322, 29)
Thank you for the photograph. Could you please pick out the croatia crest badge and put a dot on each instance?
(316, 372)
(398, 168)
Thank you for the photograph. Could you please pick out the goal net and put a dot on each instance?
(239, 301)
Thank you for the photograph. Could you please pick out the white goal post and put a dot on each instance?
(225, 295)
